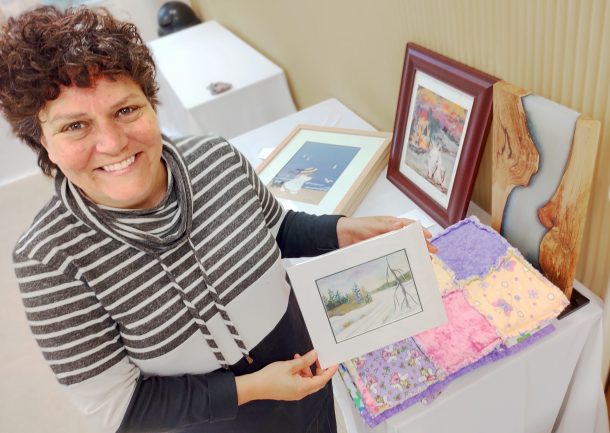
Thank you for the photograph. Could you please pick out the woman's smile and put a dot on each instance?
(120, 167)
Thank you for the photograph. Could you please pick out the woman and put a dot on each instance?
(152, 280)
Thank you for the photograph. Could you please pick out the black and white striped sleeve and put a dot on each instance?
(78, 339)
(272, 209)
(82, 345)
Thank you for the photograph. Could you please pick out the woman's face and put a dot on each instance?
(106, 140)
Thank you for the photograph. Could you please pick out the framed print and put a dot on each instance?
(324, 170)
(442, 120)
(366, 296)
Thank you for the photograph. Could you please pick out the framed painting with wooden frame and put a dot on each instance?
(323, 170)
(442, 119)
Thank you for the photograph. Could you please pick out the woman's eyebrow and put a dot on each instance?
(123, 100)
(63, 117)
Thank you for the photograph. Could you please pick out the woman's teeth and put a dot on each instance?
(121, 165)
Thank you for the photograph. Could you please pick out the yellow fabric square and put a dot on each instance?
(444, 276)
(515, 297)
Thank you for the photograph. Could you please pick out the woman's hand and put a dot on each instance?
(352, 230)
(284, 380)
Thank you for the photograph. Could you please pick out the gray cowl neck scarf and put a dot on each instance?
(122, 224)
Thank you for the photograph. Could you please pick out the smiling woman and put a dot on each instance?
(152, 279)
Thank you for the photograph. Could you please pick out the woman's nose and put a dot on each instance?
(110, 138)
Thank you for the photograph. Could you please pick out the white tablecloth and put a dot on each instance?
(552, 386)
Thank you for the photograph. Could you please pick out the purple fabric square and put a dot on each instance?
(394, 374)
(470, 248)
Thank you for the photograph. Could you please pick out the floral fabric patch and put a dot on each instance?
(515, 298)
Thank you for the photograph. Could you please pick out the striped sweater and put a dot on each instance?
(117, 298)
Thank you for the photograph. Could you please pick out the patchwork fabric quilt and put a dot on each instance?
(496, 304)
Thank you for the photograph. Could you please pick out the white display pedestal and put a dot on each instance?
(189, 60)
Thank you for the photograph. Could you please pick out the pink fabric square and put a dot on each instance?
(464, 339)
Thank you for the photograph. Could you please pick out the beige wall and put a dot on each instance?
(353, 50)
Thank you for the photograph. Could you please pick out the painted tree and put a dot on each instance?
(395, 277)
(356, 292)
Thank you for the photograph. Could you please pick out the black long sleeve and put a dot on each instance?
(305, 235)
(166, 403)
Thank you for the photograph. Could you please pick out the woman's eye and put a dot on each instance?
(72, 127)
(126, 111)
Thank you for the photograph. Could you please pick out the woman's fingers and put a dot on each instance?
(285, 380)
(305, 372)
(404, 221)
(315, 383)
(427, 234)
(356, 229)
(322, 377)
(304, 361)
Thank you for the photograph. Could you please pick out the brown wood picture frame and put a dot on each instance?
(329, 180)
(439, 79)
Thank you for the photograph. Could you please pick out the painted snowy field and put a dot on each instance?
(381, 311)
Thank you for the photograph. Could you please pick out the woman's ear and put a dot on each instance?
(50, 155)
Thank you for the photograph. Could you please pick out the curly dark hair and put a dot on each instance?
(45, 48)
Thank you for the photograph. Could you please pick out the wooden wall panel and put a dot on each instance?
(353, 50)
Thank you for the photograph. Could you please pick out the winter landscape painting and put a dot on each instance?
(434, 138)
(312, 171)
(369, 295)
